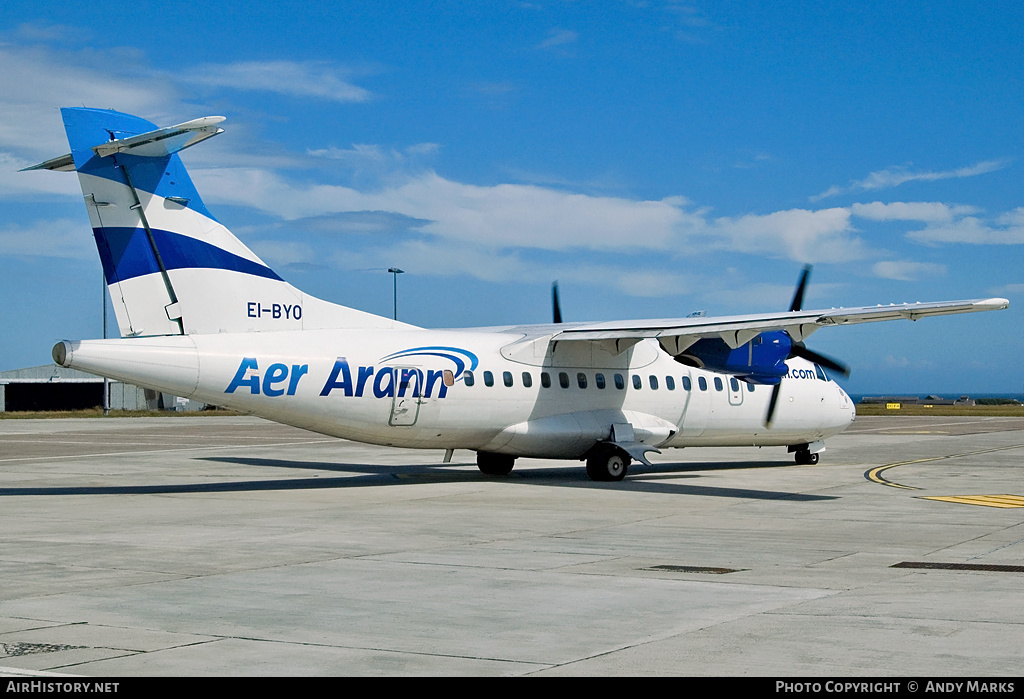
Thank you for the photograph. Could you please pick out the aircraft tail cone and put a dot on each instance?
(169, 364)
(61, 353)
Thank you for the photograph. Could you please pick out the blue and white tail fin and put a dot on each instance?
(172, 268)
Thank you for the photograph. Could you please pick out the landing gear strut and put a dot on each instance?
(607, 463)
(494, 464)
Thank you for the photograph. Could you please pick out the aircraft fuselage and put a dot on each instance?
(488, 390)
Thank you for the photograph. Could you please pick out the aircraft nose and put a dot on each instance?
(846, 405)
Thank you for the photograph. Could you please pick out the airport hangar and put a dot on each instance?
(50, 387)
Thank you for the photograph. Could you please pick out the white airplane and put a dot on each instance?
(201, 316)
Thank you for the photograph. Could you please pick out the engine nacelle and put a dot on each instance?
(762, 360)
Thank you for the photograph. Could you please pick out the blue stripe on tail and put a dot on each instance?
(126, 254)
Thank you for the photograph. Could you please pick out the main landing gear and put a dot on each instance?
(804, 457)
(494, 464)
(607, 463)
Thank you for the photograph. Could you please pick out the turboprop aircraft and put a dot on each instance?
(201, 316)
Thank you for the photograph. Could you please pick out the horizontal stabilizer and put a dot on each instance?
(162, 142)
(153, 144)
(63, 163)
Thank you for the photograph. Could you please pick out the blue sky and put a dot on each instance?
(656, 158)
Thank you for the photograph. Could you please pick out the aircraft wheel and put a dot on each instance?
(607, 465)
(805, 458)
(494, 464)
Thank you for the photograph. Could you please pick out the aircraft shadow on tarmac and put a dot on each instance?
(652, 479)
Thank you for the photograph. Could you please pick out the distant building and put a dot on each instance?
(50, 387)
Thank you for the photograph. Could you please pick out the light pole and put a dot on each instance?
(395, 272)
(106, 381)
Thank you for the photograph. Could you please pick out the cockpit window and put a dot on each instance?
(821, 373)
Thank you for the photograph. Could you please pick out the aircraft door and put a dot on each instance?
(408, 397)
(696, 408)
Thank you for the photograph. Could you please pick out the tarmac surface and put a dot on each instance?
(232, 546)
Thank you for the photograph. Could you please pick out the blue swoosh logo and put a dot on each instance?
(458, 356)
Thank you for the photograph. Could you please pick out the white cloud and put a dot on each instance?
(906, 270)
(946, 223)
(503, 215)
(895, 176)
(558, 37)
(483, 230)
(367, 156)
(824, 235)
(1010, 289)
(34, 82)
(318, 79)
(897, 362)
(910, 211)
(454, 258)
(65, 238)
(1013, 218)
(17, 184)
(525, 217)
(1008, 231)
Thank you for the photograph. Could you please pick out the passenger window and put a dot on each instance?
(702, 382)
(735, 385)
(686, 383)
(563, 379)
(718, 384)
(670, 383)
(488, 378)
(527, 379)
(599, 380)
(507, 378)
(637, 383)
(750, 386)
(468, 378)
(654, 382)
(545, 379)
(620, 383)
(581, 379)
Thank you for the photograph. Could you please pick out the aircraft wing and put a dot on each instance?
(676, 334)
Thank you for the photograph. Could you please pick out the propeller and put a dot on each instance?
(556, 308)
(799, 349)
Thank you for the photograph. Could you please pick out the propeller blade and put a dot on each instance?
(798, 297)
(556, 308)
(771, 404)
(799, 350)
